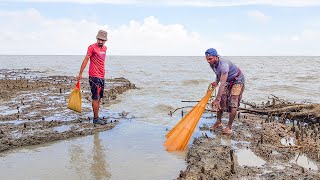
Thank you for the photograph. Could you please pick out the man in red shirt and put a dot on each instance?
(97, 55)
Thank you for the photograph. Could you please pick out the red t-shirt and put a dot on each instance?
(97, 58)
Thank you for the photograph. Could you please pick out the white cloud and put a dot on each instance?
(237, 37)
(198, 3)
(303, 43)
(28, 32)
(310, 34)
(258, 16)
(295, 38)
(307, 35)
(152, 37)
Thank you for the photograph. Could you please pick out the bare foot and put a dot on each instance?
(227, 131)
(216, 125)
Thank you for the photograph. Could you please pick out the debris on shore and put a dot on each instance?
(33, 108)
(273, 140)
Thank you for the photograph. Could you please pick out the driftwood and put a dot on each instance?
(298, 147)
(284, 109)
(276, 107)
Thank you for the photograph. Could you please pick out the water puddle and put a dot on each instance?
(62, 128)
(305, 162)
(15, 122)
(4, 110)
(61, 117)
(278, 166)
(232, 143)
(132, 150)
(16, 134)
(247, 158)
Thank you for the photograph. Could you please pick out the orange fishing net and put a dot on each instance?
(179, 136)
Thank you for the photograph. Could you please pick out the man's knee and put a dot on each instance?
(234, 103)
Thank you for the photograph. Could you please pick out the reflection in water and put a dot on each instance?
(98, 164)
(77, 159)
(80, 160)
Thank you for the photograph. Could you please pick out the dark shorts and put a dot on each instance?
(231, 97)
(97, 87)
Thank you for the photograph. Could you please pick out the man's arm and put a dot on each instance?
(223, 81)
(216, 82)
(83, 65)
(217, 79)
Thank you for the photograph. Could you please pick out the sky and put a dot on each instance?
(161, 28)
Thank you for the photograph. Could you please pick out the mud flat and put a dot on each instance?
(261, 147)
(33, 108)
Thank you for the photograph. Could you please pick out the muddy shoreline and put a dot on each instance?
(258, 149)
(33, 108)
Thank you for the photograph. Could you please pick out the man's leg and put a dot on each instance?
(218, 123)
(232, 115)
(236, 94)
(95, 108)
(223, 100)
(95, 90)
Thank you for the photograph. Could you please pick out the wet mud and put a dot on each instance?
(33, 108)
(259, 148)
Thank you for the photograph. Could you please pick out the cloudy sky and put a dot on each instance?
(167, 27)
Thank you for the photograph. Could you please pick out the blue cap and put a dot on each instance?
(211, 52)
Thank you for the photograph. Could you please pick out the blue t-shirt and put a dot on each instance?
(225, 66)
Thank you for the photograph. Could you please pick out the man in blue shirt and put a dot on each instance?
(230, 91)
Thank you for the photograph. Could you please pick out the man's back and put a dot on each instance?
(225, 66)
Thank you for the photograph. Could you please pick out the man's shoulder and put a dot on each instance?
(92, 45)
(223, 59)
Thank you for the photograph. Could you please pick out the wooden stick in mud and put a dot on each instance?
(310, 112)
(232, 162)
(298, 147)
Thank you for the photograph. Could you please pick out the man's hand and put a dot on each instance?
(216, 104)
(214, 84)
(79, 77)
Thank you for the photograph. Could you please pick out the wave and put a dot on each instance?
(165, 108)
(195, 82)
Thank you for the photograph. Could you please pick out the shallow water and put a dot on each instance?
(304, 161)
(15, 122)
(134, 149)
(62, 128)
(4, 110)
(247, 158)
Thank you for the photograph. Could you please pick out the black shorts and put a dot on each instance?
(97, 87)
